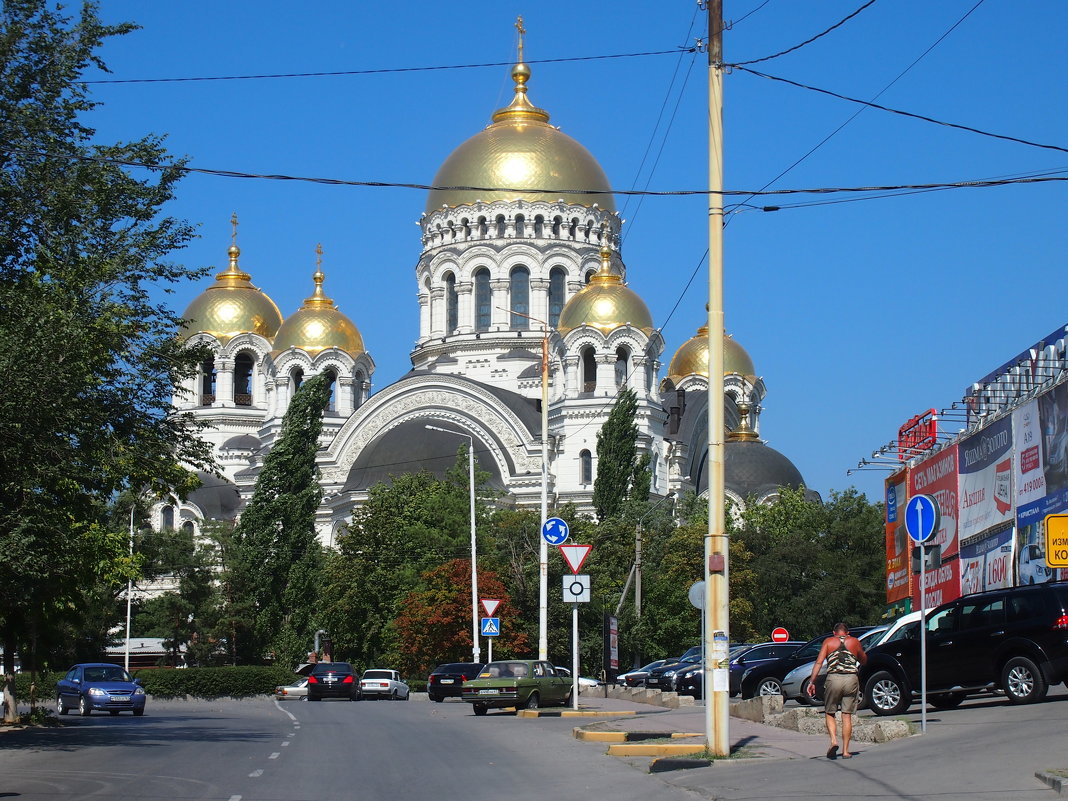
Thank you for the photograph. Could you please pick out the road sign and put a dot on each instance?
(491, 626)
(576, 589)
(575, 555)
(921, 517)
(1057, 540)
(555, 531)
(490, 605)
(697, 594)
(780, 635)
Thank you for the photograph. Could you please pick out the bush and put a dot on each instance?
(214, 682)
(46, 686)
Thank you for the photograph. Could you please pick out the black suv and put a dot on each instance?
(1012, 640)
(446, 681)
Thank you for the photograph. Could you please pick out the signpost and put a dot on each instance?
(922, 518)
(780, 635)
(490, 605)
(576, 591)
(575, 555)
(555, 531)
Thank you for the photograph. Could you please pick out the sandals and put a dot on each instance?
(832, 752)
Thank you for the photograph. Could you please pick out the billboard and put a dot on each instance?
(897, 540)
(1043, 459)
(985, 488)
(937, 477)
(987, 563)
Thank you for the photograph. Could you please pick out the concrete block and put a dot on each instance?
(886, 730)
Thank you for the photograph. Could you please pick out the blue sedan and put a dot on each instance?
(101, 686)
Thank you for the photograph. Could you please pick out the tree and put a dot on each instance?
(617, 448)
(89, 360)
(276, 559)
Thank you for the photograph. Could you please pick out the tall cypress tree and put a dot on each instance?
(617, 448)
(276, 558)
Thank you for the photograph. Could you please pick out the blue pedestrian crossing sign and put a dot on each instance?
(555, 531)
(491, 626)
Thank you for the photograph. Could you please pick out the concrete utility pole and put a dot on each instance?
(716, 636)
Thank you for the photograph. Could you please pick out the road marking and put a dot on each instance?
(285, 743)
(291, 734)
(275, 755)
(235, 798)
(255, 774)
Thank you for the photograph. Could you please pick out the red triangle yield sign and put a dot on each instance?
(490, 605)
(575, 555)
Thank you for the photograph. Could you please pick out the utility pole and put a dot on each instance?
(716, 636)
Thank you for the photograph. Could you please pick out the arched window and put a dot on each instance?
(622, 363)
(331, 403)
(483, 229)
(556, 227)
(483, 301)
(166, 518)
(586, 467)
(589, 275)
(188, 528)
(207, 382)
(357, 390)
(452, 304)
(557, 288)
(501, 227)
(296, 378)
(243, 379)
(589, 369)
(520, 225)
(465, 227)
(519, 292)
(653, 466)
(539, 226)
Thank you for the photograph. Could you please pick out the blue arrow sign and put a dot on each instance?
(555, 531)
(491, 626)
(922, 517)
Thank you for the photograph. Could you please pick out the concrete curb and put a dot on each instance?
(629, 736)
(655, 749)
(1056, 783)
(573, 713)
(678, 763)
(809, 720)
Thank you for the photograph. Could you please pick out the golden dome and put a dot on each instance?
(520, 151)
(692, 357)
(232, 306)
(318, 325)
(606, 303)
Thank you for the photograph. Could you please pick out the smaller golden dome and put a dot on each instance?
(606, 303)
(692, 358)
(318, 325)
(232, 306)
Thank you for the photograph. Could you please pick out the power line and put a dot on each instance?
(838, 24)
(384, 70)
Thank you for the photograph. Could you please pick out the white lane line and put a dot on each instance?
(285, 743)
(255, 774)
(234, 798)
(275, 755)
(291, 734)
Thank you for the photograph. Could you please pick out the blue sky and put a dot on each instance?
(857, 314)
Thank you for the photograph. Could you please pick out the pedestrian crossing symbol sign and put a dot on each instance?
(491, 626)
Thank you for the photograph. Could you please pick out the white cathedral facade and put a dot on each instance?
(503, 273)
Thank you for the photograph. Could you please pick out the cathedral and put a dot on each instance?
(522, 295)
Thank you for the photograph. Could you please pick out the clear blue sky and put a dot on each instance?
(857, 314)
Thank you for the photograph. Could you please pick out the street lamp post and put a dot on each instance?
(476, 651)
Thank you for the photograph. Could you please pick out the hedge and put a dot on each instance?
(206, 682)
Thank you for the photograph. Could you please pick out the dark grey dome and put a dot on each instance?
(242, 442)
(752, 469)
(216, 498)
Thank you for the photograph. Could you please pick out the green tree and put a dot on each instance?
(617, 463)
(275, 556)
(89, 359)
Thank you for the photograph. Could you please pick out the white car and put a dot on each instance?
(379, 683)
(584, 683)
(1033, 568)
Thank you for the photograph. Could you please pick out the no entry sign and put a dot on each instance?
(780, 635)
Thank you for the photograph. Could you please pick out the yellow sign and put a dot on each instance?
(1057, 540)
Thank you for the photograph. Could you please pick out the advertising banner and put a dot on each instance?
(897, 540)
(1029, 475)
(943, 584)
(987, 563)
(937, 477)
(1053, 417)
(985, 488)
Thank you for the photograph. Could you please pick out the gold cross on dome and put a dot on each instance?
(318, 255)
(233, 222)
(519, 27)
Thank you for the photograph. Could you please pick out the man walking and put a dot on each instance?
(844, 655)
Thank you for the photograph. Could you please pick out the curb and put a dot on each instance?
(573, 713)
(1052, 781)
(629, 736)
(677, 763)
(654, 749)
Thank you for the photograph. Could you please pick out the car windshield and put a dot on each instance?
(378, 674)
(106, 673)
(457, 667)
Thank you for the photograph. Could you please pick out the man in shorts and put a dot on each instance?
(844, 655)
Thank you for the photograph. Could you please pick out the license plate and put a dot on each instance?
(487, 692)
(447, 681)
(120, 698)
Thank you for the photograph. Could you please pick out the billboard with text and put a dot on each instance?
(985, 488)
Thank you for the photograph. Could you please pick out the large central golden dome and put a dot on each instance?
(517, 153)
(606, 303)
(318, 325)
(692, 357)
(232, 306)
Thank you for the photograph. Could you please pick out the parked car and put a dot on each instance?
(522, 683)
(332, 680)
(1033, 567)
(795, 683)
(635, 678)
(297, 691)
(663, 677)
(101, 686)
(1012, 640)
(740, 658)
(380, 683)
(584, 682)
(446, 681)
(766, 678)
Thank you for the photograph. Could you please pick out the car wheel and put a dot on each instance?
(532, 701)
(139, 712)
(946, 700)
(480, 709)
(83, 707)
(769, 686)
(570, 698)
(886, 695)
(1022, 681)
(60, 708)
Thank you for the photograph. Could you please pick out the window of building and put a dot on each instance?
(519, 293)
(586, 467)
(589, 369)
(452, 304)
(207, 382)
(483, 301)
(296, 378)
(557, 288)
(243, 379)
(331, 403)
(166, 518)
(622, 365)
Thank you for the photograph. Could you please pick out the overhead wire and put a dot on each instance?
(809, 41)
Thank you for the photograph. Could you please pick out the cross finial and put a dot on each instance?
(519, 27)
(318, 256)
(233, 222)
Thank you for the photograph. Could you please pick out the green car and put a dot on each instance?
(522, 683)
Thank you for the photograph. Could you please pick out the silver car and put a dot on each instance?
(794, 683)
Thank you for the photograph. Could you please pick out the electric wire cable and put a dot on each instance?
(836, 25)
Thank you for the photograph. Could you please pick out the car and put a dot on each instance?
(297, 691)
(332, 680)
(635, 678)
(446, 681)
(795, 683)
(664, 677)
(584, 683)
(102, 686)
(519, 683)
(766, 678)
(1033, 567)
(740, 659)
(1013, 641)
(381, 683)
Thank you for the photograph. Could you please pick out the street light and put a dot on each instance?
(476, 651)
